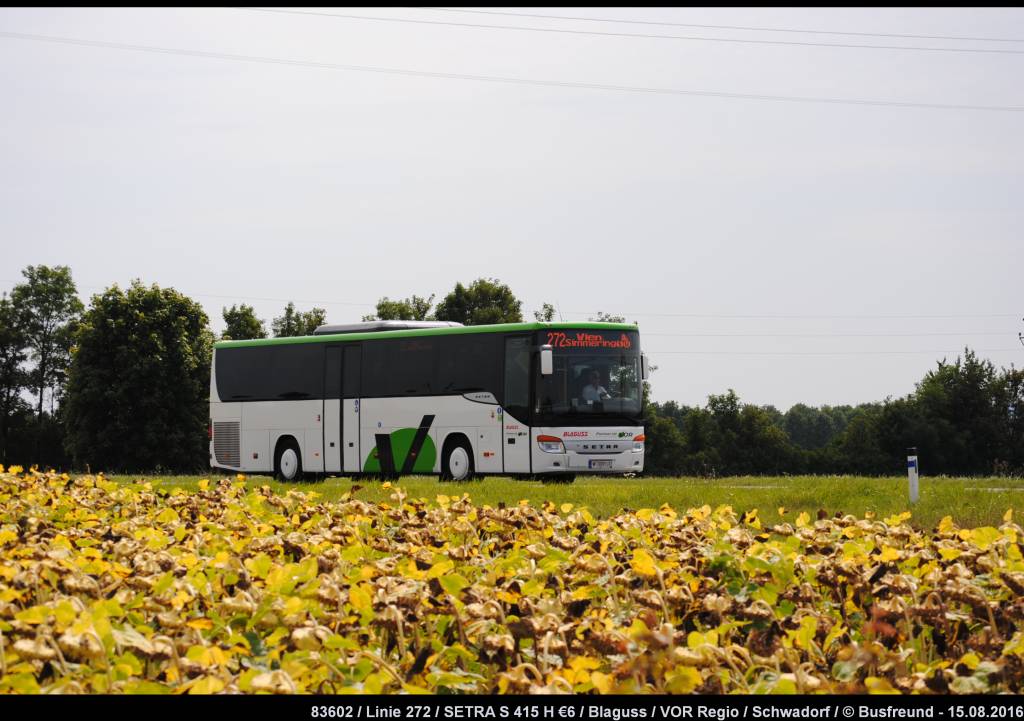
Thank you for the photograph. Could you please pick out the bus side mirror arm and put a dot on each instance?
(547, 362)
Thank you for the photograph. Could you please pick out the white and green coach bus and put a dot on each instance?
(387, 398)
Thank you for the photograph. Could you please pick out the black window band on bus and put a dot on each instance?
(431, 365)
(438, 365)
(271, 373)
(332, 371)
(352, 370)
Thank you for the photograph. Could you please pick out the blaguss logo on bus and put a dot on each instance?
(574, 434)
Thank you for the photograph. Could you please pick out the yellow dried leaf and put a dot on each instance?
(888, 554)
(361, 598)
(584, 663)
(643, 563)
(440, 568)
(877, 685)
(604, 683)
(683, 679)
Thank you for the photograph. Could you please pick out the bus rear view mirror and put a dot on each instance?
(645, 368)
(547, 362)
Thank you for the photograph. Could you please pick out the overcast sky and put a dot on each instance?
(241, 181)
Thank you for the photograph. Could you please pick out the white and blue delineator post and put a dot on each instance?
(912, 473)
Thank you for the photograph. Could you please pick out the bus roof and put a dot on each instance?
(456, 330)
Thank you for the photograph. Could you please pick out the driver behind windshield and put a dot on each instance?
(594, 391)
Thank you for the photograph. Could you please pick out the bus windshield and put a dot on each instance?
(596, 376)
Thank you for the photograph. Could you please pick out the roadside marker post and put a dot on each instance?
(912, 473)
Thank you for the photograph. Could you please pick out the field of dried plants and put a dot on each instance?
(233, 586)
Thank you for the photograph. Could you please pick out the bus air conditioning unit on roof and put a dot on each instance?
(377, 326)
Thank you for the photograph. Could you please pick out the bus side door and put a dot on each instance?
(351, 373)
(332, 409)
(516, 441)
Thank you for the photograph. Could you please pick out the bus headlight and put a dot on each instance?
(550, 444)
(638, 443)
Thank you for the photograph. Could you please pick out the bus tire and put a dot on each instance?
(457, 460)
(287, 461)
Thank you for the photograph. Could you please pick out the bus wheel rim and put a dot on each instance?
(288, 464)
(458, 462)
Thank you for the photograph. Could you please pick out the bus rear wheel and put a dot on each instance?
(456, 461)
(288, 461)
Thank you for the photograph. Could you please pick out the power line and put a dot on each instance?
(724, 27)
(826, 353)
(236, 298)
(239, 298)
(499, 79)
(648, 36)
(821, 335)
(285, 300)
(800, 317)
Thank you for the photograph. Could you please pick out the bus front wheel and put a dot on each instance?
(457, 461)
(288, 464)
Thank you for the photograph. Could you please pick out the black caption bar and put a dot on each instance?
(533, 708)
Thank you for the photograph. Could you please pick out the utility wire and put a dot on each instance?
(820, 335)
(802, 317)
(648, 36)
(722, 27)
(678, 352)
(236, 298)
(498, 79)
(240, 298)
(826, 353)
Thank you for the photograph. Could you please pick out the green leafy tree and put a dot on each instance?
(294, 323)
(957, 399)
(814, 428)
(665, 446)
(485, 301)
(48, 302)
(546, 314)
(242, 324)
(859, 448)
(607, 318)
(1009, 402)
(13, 378)
(414, 308)
(953, 418)
(138, 389)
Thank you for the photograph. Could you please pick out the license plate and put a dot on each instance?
(600, 464)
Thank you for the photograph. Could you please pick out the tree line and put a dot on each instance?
(965, 417)
(123, 385)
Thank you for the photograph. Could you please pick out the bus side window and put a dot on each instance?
(332, 372)
(469, 363)
(270, 373)
(352, 368)
(517, 378)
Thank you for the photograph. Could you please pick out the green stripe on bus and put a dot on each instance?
(500, 328)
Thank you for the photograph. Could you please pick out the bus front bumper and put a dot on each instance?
(575, 463)
(611, 452)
